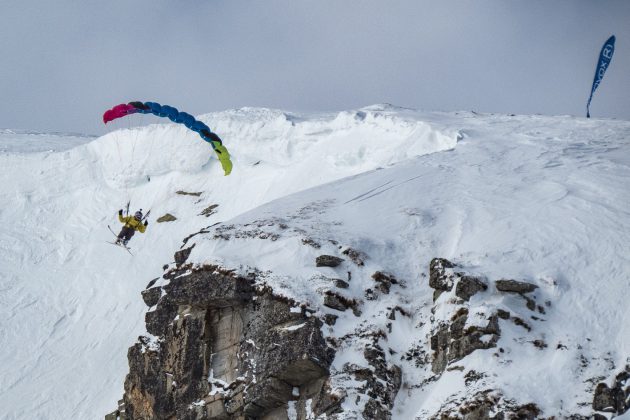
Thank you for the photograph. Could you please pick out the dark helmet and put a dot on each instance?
(138, 215)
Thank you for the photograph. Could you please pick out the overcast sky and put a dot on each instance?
(64, 62)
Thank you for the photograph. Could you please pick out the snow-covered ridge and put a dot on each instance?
(319, 147)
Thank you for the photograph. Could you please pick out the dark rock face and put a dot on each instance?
(182, 255)
(224, 350)
(468, 286)
(441, 275)
(615, 399)
(514, 286)
(355, 256)
(341, 284)
(488, 405)
(166, 218)
(384, 281)
(151, 296)
(328, 261)
(382, 385)
(452, 342)
(195, 194)
(209, 211)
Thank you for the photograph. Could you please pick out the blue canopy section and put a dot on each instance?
(176, 116)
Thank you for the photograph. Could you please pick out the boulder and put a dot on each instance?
(513, 286)
(166, 218)
(328, 261)
(467, 286)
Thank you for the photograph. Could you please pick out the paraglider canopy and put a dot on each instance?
(176, 116)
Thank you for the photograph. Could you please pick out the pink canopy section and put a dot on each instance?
(118, 111)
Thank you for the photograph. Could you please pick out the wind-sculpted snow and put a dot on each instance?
(301, 147)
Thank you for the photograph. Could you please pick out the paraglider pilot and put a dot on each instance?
(131, 224)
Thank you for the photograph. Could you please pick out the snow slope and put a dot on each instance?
(538, 199)
(528, 197)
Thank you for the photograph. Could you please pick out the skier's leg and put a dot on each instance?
(121, 235)
(128, 234)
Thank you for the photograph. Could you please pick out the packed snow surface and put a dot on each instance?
(540, 199)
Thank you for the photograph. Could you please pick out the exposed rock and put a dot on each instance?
(530, 303)
(152, 282)
(451, 341)
(615, 399)
(503, 314)
(334, 302)
(487, 405)
(473, 376)
(513, 286)
(380, 381)
(341, 284)
(209, 211)
(182, 255)
(467, 286)
(441, 275)
(151, 296)
(330, 319)
(437, 294)
(355, 256)
(384, 281)
(519, 321)
(119, 413)
(328, 261)
(392, 312)
(166, 218)
(311, 242)
(180, 192)
(255, 348)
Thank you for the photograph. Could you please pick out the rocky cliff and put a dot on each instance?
(226, 346)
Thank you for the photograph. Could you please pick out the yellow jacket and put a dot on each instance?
(131, 222)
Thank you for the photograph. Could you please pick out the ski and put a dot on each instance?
(118, 243)
(122, 246)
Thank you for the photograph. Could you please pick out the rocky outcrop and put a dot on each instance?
(487, 405)
(225, 346)
(514, 286)
(222, 348)
(209, 211)
(166, 218)
(615, 399)
(441, 275)
(455, 340)
(328, 261)
(461, 326)
(468, 286)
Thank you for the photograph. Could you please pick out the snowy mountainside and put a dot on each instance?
(537, 199)
(70, 302)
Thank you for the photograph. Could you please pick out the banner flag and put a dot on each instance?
(602, 65)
